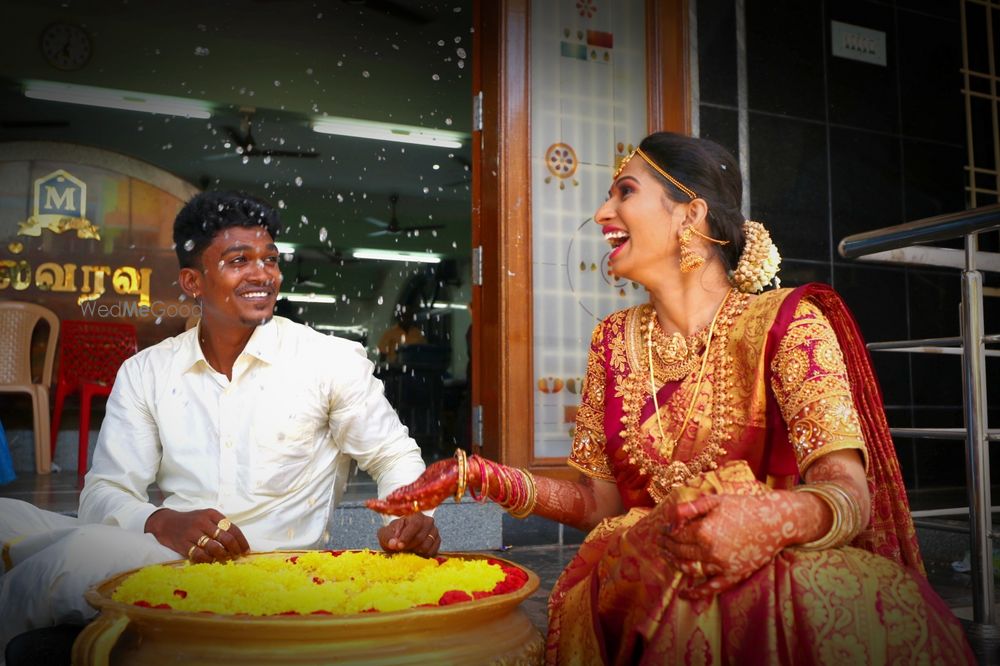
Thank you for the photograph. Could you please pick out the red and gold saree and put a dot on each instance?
(787, 380)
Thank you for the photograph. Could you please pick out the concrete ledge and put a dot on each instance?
(466, 526)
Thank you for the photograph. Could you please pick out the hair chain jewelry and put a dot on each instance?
(708, 238)
(660, 170)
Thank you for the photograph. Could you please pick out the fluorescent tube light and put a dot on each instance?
(285, 248)
(391, 255)
(116, 99)
(448, 305)
(360, 330)
(370, 129)
(308, 298)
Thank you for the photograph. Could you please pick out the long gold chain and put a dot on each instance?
(668, 444)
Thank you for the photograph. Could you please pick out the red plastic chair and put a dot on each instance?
(90, 353)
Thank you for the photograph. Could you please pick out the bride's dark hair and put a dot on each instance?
(707, 168)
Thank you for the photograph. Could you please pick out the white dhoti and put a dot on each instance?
(50, 560)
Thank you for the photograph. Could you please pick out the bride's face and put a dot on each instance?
(641, 224)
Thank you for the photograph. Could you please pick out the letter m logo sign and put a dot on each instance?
(60, 193)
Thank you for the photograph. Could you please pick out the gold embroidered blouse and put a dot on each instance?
(617, 437)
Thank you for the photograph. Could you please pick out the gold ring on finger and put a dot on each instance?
(191, 552)
(218, 531)
(203, 540)
(224, 525)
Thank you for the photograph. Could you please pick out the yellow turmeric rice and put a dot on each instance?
(319, 582)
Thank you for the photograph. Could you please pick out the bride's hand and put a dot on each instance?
(723, 539)
(435, 485)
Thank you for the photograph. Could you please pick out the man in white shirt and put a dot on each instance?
(246, 423)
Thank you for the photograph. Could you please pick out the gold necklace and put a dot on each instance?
(629, 357)
(677, 355)
(667, 444)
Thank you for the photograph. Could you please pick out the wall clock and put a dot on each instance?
(66, 46)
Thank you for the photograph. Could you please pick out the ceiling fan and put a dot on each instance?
(242, 142)
(393, 226)
(303, 279)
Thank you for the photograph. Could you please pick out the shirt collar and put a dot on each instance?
(262, 345)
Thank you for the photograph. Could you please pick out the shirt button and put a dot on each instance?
(229, 443)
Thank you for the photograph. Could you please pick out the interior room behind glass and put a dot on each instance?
(377, 240)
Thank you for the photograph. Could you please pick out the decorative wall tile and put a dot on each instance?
(588, 91)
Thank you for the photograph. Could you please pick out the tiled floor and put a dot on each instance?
(535, 543)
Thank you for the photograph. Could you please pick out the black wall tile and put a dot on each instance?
(982, 133)
(721, 126)
(785, 57)
(894, 140)
(937, 382)
(788, 184)
(940, 464)
(796, 273)
(717, 43)
(863, 94)
(930, 57)
(934, 297)
(866, 183)
(941, 8)
(977, 37)
(933, 179)
(873, 295)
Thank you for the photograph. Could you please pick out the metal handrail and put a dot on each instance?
(927, 342)
(927, 230)
(968, 224)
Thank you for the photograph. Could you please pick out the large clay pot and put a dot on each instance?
(492, 630)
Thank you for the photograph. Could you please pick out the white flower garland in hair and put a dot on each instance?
(759, 263)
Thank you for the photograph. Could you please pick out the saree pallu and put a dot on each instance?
(619, 601)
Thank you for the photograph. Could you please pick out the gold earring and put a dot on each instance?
(690, 260)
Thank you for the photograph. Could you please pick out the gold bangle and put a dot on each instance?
(846, 515)
(463, 474)
(530, 499)
(484, 480)
(508, 489)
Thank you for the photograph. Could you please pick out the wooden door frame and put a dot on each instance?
(502, 307)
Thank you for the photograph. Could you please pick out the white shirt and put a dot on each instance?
(270, 449)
